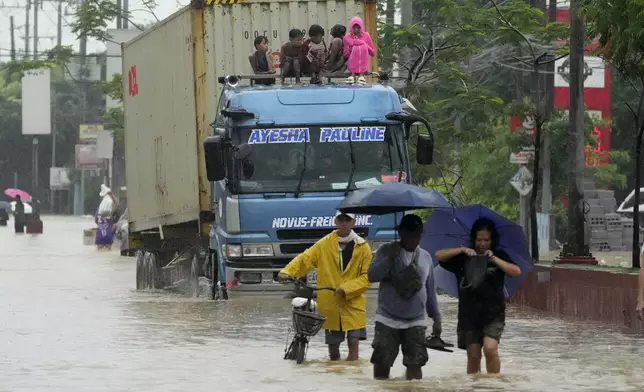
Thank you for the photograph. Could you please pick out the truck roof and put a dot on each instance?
(328, 104)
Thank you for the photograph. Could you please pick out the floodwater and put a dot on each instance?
(70, 320)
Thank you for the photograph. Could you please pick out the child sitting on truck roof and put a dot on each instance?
(358, 47)
(290, 55)
(337, 63)
(317, 53)
(261, 61)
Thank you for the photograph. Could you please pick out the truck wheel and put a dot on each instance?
(155, 271)
(139, 270)
(214, 276)
(148, 270)
(195, 273)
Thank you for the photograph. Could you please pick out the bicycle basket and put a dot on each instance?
(307, 323)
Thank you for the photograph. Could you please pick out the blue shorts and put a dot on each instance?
(337, 337)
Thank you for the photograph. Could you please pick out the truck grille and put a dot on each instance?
(313, 234)
(293, 248)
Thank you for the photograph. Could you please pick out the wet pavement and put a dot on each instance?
(70, 320)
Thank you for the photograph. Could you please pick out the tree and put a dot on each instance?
(463, 55)
(620, 28)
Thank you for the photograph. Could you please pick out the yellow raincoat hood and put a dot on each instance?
(347, 313)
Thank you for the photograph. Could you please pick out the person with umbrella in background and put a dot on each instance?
(480, 269)
(19, 218)
(4, 213)
(405, 295)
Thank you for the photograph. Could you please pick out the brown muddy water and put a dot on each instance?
(70, 320)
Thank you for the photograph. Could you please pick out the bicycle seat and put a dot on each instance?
(300, 303)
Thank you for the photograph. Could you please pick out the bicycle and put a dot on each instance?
(307, 322)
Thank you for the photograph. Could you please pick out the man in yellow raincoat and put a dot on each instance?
(342, 260)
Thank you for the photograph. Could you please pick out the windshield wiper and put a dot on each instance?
(299, 183)
(400, 158)
(353, 166)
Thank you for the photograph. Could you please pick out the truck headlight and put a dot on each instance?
(376, 245)
(250, 250)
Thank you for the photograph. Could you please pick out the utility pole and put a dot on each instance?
(12, 27)
(575, 246)
(546, 188)
(59, 24)
(54, 130)
(119, 17)
(35, 2)
(125, 14)
(27, 29)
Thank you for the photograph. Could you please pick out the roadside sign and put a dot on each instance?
(522, 181)
(522, 157)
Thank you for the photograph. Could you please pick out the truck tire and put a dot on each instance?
(155, 272)
(147, 262)
(195, 273)
(139, 270)
(214, 276)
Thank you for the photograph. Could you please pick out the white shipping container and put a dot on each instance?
(171, 93)
(160, 125)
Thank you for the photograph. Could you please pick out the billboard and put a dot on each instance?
(58, 178)
(105, 145)
(36, 102)
(87, 132)
(86, 156)
(114, 62)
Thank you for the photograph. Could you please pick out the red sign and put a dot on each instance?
(133, 86)
(597, 93)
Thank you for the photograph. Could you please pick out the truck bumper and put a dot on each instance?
(254, 280)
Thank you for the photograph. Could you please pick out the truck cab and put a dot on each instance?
(282, 158)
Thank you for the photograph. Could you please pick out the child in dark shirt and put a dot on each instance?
(290, 55)
(337, 63)
(261, 61)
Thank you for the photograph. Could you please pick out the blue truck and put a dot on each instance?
(282, 158)
(228, 179)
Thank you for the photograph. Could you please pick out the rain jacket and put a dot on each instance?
(358, 49)
(349, 313)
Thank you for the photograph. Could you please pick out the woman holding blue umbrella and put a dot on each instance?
(480, 271)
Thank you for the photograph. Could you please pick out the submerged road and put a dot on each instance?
(70, 320)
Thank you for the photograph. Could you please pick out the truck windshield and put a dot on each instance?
(277, 158)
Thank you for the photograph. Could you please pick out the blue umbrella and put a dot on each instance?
(450, 228)
(390, 198)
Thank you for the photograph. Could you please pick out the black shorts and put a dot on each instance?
(472, 332)
(387, 341)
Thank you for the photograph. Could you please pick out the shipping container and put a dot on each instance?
(171, 93)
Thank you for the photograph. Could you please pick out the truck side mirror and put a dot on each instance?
(214, 152)
(425, 150)
(425, 145)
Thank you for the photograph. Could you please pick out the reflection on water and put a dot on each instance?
(72, 322)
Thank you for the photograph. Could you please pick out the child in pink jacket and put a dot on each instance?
(358, 47)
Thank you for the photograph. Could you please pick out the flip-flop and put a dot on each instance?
(438, 344)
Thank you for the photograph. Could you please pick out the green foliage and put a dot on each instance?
(620, 28)
(55, 59)
(114, 117)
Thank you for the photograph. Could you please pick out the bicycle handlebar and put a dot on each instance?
(300, 283)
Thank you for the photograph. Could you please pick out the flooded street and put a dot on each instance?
(72, 321)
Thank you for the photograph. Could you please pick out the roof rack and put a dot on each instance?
(232, 81)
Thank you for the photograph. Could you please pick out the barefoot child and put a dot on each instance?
(289, 55)
(317, 53)
(336, 63)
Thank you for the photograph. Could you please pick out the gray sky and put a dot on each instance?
(47, 17)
